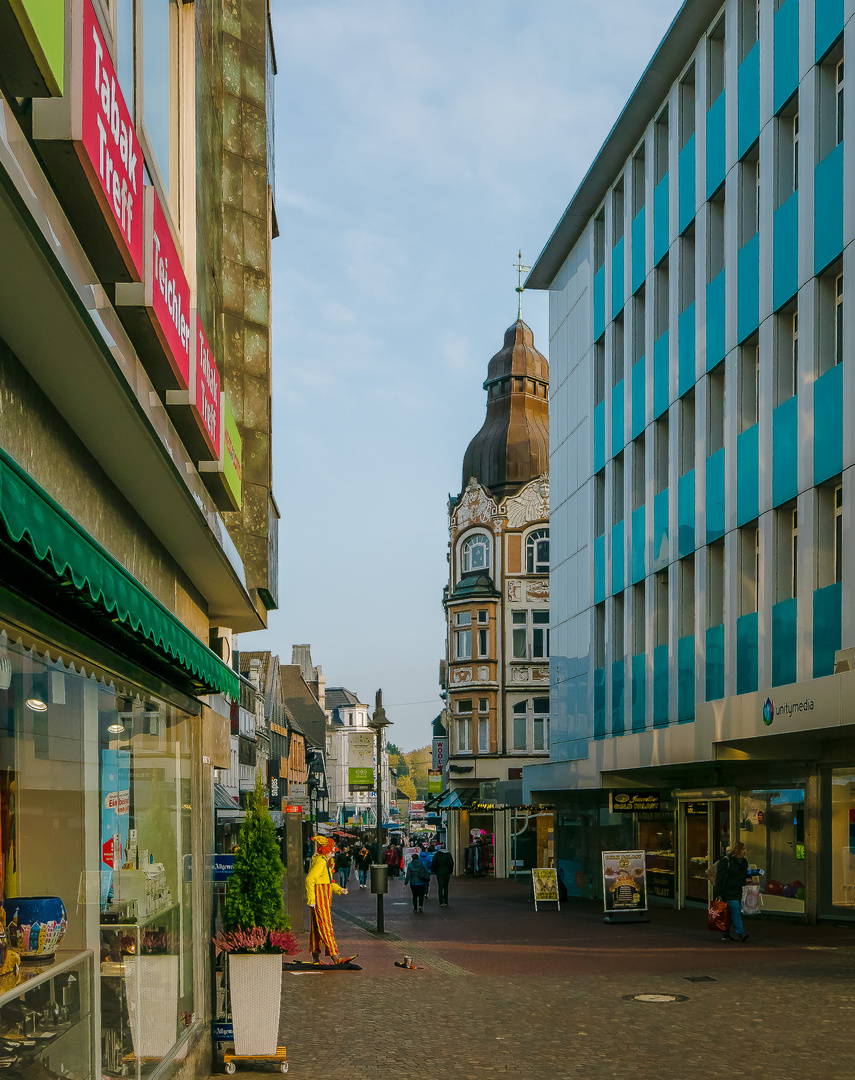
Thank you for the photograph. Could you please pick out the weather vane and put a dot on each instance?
(520, 269)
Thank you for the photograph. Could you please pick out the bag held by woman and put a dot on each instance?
(750, 899)
(718, 917)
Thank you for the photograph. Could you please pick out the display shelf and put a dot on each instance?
(33, 974)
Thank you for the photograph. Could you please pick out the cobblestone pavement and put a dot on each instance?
(507, 992)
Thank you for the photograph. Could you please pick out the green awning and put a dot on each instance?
(30, 514)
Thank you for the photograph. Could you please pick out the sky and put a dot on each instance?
(420, 144)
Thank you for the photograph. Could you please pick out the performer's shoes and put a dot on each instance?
(347, 959)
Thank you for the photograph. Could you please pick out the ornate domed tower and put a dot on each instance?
(496, 673)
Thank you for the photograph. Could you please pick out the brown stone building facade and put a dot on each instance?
(496, 672)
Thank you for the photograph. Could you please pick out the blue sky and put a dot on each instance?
(419, 145)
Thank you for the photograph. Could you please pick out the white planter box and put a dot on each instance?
(256, 990)
(151, 986)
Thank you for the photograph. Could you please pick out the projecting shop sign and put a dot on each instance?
(360, 762)
(88, 144)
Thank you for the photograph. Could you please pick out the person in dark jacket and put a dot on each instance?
(442, 865)
(363, 863)
(417, 877)
(343, 862)
(731, 874)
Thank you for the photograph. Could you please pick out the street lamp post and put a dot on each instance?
(378, 723)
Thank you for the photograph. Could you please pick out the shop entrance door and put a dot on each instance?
(705, 832)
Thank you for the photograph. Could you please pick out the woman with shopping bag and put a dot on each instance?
(731, 876)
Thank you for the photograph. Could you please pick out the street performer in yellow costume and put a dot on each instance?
(319, 889)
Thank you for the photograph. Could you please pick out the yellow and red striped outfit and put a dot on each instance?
(319, 889)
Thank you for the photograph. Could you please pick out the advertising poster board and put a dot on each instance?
(544, 880)
(624, 882)
(360, 761)
(434, 782)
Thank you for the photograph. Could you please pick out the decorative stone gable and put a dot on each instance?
(476, 507)
(530, 504)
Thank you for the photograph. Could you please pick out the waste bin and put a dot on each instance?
(379, 878)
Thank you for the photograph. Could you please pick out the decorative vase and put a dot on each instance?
(35, 925)
(255, 980)
(151, 988)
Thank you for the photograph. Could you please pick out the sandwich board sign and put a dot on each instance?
(624, 886)
(544, 880)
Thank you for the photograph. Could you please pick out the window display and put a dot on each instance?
(843, 837)
(96, 845)
(656, 839)
(772, 828)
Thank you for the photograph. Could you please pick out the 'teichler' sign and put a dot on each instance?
(157, 311)
(101, 180)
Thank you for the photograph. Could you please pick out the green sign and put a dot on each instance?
(42, 25)
(434, 782)
(360, 764)
(232, 455)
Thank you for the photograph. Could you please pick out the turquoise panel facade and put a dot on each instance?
(716, 147)
(636, 559)
(660, 375)
(827, 615)
(599, 702)
(639, 249)
(785, 257)
(618, 697)
(686, 347)
(599, 303)
(639, 692)
(617, 278)
(828, 209)
(686, 678)
(830, 16)
(660, 686)
(786, 75)
(618, 561)
(686, 194)
(748, 105)
(659, 543)
(748, 288)
(715, 321)
(617, 419)
(784, 642)
(714, 676)
(747, 475)
(661, 223)
(686, 514)
(828, 425)
(785, 451)
(599, 436)
(746, 653)
(715, 496)
(639, 398)
(599, 568)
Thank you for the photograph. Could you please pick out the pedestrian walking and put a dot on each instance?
(343, 863)
(390, 857)
(363, 864)
(417, 877)
(319, 892)
(731, 874)
(442, 866)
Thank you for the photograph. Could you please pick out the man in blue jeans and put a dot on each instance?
(731, 875)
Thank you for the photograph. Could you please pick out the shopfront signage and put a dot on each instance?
(786, 708)
(34, 48)
(633, 802)
(197, 411)
(360, 763)
(544, 880)
(434, 782)
(102, 184)
(232, 454)
(224, 867)
(289, 809)
(298, 792)
(624, 881)
(440, 752)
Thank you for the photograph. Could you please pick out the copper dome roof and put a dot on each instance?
(513, 445)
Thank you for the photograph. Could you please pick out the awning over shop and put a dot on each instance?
(222, 799)
(32, 518)
(453, 799)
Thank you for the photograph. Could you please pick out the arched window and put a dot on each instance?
(537, 552)
(476, 553)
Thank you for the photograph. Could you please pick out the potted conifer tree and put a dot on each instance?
(256, 932)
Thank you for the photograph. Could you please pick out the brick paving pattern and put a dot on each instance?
(507, 992)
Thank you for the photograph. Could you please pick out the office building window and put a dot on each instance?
(749, 557)
(838, 319)
(838, 533)
(838, 104)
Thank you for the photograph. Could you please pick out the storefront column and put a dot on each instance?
(812, 834)
(502, 833)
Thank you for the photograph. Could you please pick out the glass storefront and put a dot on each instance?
(843, 838)
(532, 842)
(96, 869)
(656, 839)
(772, 827)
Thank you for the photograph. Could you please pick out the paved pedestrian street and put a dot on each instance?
(507, 992)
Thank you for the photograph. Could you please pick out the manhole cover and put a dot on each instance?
(655, 999)
(698, 978)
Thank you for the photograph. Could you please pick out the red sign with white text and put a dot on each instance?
(207, 391)
(170, 295)
(110, 141)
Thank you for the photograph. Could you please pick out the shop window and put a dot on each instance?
(773, 831)
(97, 847)
(843, 838)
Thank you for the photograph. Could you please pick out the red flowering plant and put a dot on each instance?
(255, 940)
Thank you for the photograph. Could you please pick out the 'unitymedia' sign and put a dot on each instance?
(770, 710)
